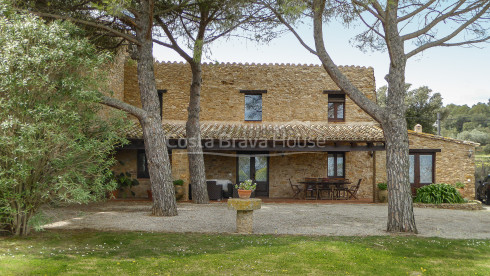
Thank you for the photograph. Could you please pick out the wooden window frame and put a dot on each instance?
(142, 172)
(336, 99)
(335, 157)
(252, 168)
(160, 93)
(416, 165)
(145, 173)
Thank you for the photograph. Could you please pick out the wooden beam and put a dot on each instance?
(333, 92)
(424, 150)
(286, 146)
(253, 92)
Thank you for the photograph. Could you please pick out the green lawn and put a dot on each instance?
(122, 253)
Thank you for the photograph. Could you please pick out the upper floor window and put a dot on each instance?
(336, 107)
(336, 165)
(160, 99)
(253, 104)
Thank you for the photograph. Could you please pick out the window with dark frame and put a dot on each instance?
(160, 99)
(336, 165)
(142, 163)
(253, 104)
(421, 169)
(336, 107)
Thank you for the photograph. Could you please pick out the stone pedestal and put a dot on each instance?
(244, 215)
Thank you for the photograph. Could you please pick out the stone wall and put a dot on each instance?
(295, 166)
(180, 169)
(127, 163)
(358, 165)
(294, 92)
(117, 76)
(219, 166)
(453, 163)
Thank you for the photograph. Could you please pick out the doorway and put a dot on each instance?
(254, 166)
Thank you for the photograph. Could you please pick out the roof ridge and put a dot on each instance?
(288, 64)
(449, 139)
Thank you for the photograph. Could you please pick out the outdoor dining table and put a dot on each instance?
(334, 183)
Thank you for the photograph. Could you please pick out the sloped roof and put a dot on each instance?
(273, 131)
(448, 139)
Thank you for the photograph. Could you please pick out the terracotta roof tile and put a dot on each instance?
(273, 131)
(435, 137)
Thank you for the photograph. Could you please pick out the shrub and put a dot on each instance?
(382, 186)
(54, 145)
(178, 182)
(459, 185)
(438, 193)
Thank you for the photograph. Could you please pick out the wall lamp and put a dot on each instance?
(470, 153)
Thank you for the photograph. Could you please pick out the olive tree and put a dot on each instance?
(403, 28)
(132, 23)
(54, 146)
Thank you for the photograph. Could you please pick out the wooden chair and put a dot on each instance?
(311, 191)
(296, 189)
(353, 190)
(325, 187)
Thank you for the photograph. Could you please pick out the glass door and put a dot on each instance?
(421, 171)
(254, 166)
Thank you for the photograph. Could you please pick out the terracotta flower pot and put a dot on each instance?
(244, 193)
(383, 196)
(114, 194)
(179, 191)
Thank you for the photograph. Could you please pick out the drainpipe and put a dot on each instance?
(438, 123)
(374, 177)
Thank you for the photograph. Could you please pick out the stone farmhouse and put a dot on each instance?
(272, 123)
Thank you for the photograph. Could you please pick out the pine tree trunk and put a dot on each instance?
(164, 203)
(392, 119)
(194, 146)
(400, 205)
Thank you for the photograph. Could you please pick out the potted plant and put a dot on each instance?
(179, 189)
(125, 182)
(245, 188)
(382, 192)
(178, 186)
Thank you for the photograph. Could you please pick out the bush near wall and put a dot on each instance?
(438, 193)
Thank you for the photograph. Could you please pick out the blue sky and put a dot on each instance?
(461, 75)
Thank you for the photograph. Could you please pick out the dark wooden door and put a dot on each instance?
(254, 166)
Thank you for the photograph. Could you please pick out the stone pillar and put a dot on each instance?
(244, 215)
(180, 169)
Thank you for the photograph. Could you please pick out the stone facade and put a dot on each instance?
(294, 94)
(127, 163)
(452, 164)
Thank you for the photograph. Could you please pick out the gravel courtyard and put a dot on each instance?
(273, 218)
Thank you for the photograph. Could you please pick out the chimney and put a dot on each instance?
(418, 128)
